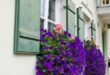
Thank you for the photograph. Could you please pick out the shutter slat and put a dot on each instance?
(29, 34)
(28, 46)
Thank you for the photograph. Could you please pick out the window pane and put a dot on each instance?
(51, 26)
(51, 10)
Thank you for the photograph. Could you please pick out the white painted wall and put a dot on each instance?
(11, 64)
(108, 44)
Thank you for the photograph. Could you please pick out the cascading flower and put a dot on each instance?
(94, 59)
(63, 54)
(60, 54)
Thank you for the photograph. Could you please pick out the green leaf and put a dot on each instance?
(45, 52)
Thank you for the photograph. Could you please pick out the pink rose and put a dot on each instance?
(58, 28)
(72, 37)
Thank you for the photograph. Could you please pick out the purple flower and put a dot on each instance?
(49, 66)
(67, 34)
(39, 72)
(94, 59)
(67, 56)
(50, 34)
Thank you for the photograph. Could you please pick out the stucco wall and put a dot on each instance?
(11, 64)
(108, 43)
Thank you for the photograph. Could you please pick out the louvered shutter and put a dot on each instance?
(80, 24)
(27, 26)
(71, 17)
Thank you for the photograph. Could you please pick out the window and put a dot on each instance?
(106, 2)
(28, 22)
(48, 13)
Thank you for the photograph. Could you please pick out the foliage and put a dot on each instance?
(94, 59)
(64, 54)
(60, 54)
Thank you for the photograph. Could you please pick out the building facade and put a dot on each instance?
(19, 20)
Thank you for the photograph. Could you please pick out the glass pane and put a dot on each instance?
(51, 26)
(51, 10)
(42, 7)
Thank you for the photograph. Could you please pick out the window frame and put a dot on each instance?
(46, 14)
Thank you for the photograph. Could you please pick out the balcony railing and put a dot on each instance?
(103, 3)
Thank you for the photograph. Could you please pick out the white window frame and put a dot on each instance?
(46, 13)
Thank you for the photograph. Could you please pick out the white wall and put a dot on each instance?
(108, 42)
(11, 64)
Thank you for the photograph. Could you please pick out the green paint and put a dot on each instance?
(27, 25)
(70, 16)
(80, 24)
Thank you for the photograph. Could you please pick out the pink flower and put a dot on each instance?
(72, 37)
(58, 28)
(97, 46)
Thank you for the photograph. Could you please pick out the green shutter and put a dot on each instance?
(27, 26)
(94, 31)
(81, 24)
(103, 42)
(71, 17)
